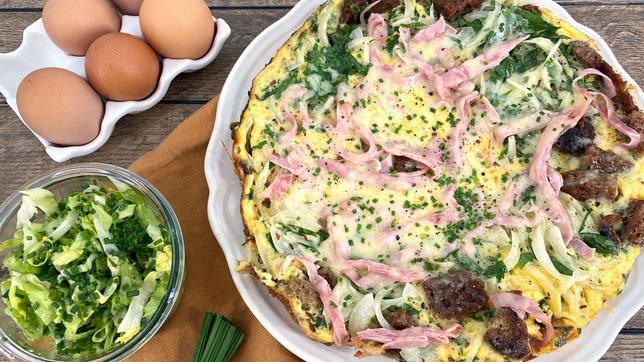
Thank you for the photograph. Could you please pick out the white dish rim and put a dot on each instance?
(599, 334)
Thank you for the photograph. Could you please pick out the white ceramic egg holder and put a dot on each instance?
(38, 51)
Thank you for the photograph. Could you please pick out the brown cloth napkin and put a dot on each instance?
(176, 168)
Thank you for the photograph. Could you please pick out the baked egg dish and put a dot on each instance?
(440, 180)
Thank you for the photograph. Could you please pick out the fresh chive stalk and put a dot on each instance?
(218, 340)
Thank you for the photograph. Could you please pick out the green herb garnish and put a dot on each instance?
(218, 339)
(88, 271)
(496, 270)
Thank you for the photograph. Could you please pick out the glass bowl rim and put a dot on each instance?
(14, 350)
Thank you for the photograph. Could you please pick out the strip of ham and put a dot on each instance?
(386, 163)
(384, 271)
(605, 106)
(429, 157)
(448, 215)
(344, 110)
(513, 192)
(414, 337)
(437, 30)
(376, 273)
(335, 167)
(377, 27)
(292, 162)
(329, 300)
(401, 181)
(434, 79)
(523, 125)
(279, 186)
(582, 249)
(458, 132)
(473, 68)
(295, 92)
(286, 138)
(522, 305)
(558, 124)
(555, 179)
(358, 158)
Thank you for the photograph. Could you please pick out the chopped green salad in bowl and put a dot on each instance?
(92, 265)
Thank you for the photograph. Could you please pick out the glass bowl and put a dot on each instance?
(60, 182)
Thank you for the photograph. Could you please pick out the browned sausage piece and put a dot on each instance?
(452, 9)
(329, 276)
(531, 8)
(403, 164)
(608, 226)
(591, 59)
(304, 291)
(456, 294)
(589, 184)
(635, 120)
(633, 226)
(508, 334)
(576, 139)
(604, 161)
(352, 9)
(399, 319)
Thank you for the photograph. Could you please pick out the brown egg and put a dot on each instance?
(73, 25)
(60, 106)
(177, 29)
(129, 7)
(122, 67)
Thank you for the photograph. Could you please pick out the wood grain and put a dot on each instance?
(626, 348)
(37, 4)
(22, 157)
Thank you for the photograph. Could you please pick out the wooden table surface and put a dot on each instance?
(620, 23)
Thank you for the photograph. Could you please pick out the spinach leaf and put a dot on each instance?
(520, 60)
(468, 264)
(525, 258)
(583, 221)
(561, 267)
(604, 245)
(279, 88)
(332, 65)
(496, 270)
(531, 24)
(410, 310)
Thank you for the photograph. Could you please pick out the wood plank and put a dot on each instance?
(31, 5)
(637, 321)
(22, 157)
(626, 348)
(623, 36)
(36, 4)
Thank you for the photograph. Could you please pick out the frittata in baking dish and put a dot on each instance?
(441, 180)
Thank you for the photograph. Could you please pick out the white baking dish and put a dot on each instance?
(38, 51)
(224, 215)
